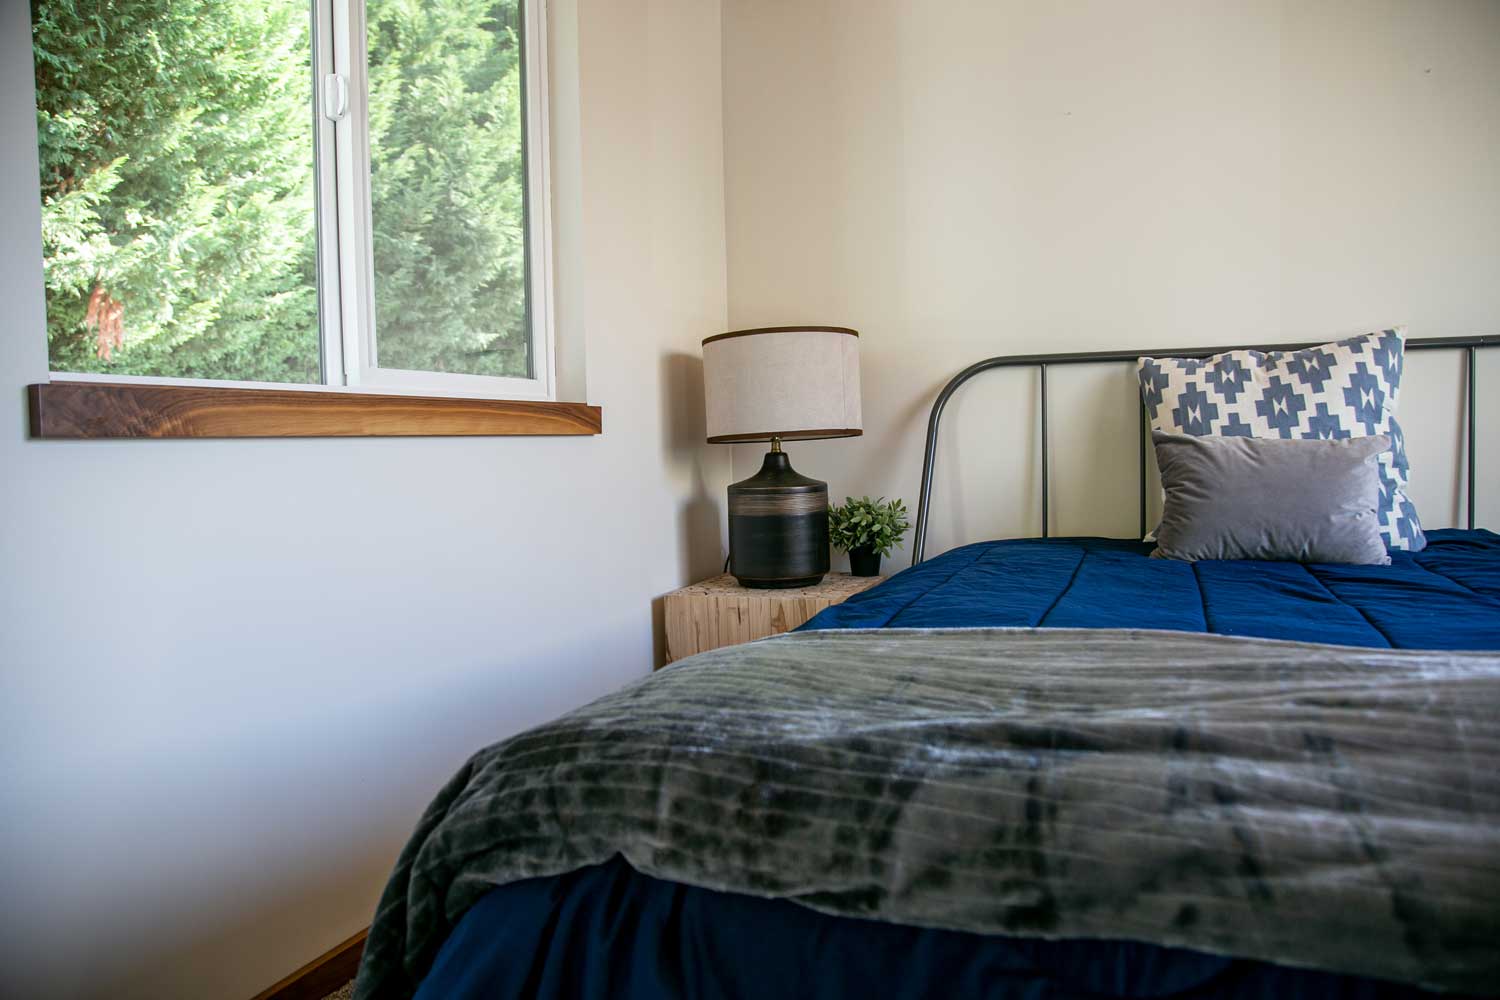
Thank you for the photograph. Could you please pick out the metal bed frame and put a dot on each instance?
(1470, 345)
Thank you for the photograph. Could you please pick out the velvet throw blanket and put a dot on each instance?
(1311, 805)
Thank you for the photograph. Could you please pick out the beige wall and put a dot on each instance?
(234, 672)
(963, 180)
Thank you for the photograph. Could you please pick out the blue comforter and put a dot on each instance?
(1444, 597)
(610, 933)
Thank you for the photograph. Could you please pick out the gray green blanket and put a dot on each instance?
(1311, 805)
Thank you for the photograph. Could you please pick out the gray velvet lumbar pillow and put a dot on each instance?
(1267, 498)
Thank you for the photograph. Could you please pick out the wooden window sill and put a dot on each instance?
(114, 410)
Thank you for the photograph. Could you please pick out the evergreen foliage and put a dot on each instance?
(446, 183)
(177, 184)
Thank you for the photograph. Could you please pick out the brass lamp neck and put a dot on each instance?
(775, 445)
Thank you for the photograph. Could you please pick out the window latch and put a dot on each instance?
(335, 97)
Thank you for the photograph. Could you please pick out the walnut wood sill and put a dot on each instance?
(111, 410)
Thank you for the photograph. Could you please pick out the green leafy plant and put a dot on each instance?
(878, 524)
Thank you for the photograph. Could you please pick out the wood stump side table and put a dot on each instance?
(719, 612)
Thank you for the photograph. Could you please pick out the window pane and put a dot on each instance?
(178, 220)
(447, 183)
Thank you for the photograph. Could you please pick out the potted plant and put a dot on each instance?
(866, 529)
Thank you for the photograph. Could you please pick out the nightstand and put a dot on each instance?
(719, 612)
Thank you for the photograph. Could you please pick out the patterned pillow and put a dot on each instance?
(1340, 390)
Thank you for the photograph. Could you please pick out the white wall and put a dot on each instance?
(233, 673)
(963, 180)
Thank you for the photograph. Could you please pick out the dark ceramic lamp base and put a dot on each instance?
(778, 527)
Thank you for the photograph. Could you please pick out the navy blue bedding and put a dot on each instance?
(1445, 597)
(610, 933)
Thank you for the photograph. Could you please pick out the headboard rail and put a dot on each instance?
(1469, 345)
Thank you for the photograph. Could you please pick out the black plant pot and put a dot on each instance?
(864, 561)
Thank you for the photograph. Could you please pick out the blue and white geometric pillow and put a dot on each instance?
(1340, 390)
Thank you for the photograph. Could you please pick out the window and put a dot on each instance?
(344, 193)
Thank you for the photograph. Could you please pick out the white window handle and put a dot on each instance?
(335, 97)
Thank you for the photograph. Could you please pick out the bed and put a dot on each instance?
(1032, 768)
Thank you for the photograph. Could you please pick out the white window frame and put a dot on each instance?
(346, 295)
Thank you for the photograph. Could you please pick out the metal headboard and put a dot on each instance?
(1470, 345)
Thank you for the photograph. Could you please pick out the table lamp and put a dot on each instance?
(780, 383)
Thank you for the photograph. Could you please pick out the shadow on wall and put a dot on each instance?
(700, 517)
(892, 472)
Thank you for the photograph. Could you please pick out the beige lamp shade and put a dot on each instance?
(791, 382)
